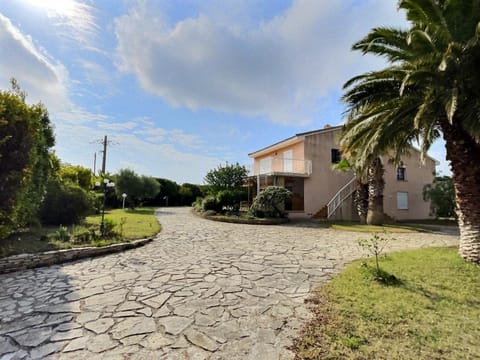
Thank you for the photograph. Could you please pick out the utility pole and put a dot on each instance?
(104, 161)
(104, 142)
(94, 163)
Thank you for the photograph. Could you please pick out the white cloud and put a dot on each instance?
(279, 68)
(42, 78)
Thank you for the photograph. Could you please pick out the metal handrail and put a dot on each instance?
(340, 197)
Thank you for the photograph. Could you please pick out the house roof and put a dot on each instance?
(292, 140)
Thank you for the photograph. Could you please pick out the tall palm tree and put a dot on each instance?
(430, 88)
(360, 195)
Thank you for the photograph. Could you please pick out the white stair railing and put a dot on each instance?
(340, 197)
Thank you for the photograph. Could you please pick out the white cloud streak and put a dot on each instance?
(279, 68)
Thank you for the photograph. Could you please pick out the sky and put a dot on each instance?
(182, 86)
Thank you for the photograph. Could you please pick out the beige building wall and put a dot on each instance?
(277, 158)
(324, 182)
(416, 177)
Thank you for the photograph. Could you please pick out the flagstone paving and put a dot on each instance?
(200, 290)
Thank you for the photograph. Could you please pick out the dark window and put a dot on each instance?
(401, 173)
(336, 156)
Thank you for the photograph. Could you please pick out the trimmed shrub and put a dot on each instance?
(210, 203)
(65, 204)
(270, 202)
(229, 199)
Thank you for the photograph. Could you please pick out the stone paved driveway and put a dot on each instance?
(201, 290)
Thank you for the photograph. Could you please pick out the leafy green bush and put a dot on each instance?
(229, 199)
(270, 202)
(109, 228)
(62, 234)
(82, 234)
(210, 203)
(65, 203)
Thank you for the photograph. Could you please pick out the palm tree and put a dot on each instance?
(360, 195)
(430, 88)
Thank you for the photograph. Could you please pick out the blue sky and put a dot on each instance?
(182, 86)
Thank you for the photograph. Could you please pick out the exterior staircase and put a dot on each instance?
(327, 211)
(342, 194)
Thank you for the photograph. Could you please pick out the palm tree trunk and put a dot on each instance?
(360, 199)
(463, 151)
(375, 192)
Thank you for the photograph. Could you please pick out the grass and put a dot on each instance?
(394, 228)
(140, 223)
(430, 311)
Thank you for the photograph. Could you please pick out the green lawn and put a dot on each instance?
(432, 311)
(393, 228)
(140, 223)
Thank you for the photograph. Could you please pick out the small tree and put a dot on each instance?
(226, 177)
(441, 195)
(138, 188)
(375, 246)
(270, 202)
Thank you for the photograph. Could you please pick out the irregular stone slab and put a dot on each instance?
(157, 341)
(108, 298)
(249, 266)
(201, 340)
(76, 344)
(67, 326)
(157, 301)
(129, 305)
(6, 346)
(33, 338)
(87, 317)
(22, 324)
(204, 320)
(132, 340)
(145, 311)
(183, 311)
(258, 292)
(264, 352)
(70, 307)
(42, 351)
(162, 312)
(175, 324)
(133, 326)
(84, 293)
(99, 326)
(101, 343)
(67, 335)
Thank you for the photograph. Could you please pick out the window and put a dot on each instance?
(401, 172)
(336, 156)
(287, 161)
(266, 165)
(402, 201)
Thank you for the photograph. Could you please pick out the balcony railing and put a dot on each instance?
(281, 166)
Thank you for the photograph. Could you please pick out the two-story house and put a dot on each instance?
(304, 163)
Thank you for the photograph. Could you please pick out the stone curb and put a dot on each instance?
(239, 220)
(30, 261)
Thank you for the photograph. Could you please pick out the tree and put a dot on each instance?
(226, 177)
(441, 195)
(430, 88)
(77, 174)
(138, 188)
(360, 195)
(189, 193)
(26, 137)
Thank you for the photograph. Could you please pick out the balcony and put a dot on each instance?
(279, 166)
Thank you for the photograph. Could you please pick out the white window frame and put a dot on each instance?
(402, 200)
(266, 165)
(287, 161)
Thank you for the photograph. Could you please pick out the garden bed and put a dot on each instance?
(242, 219)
